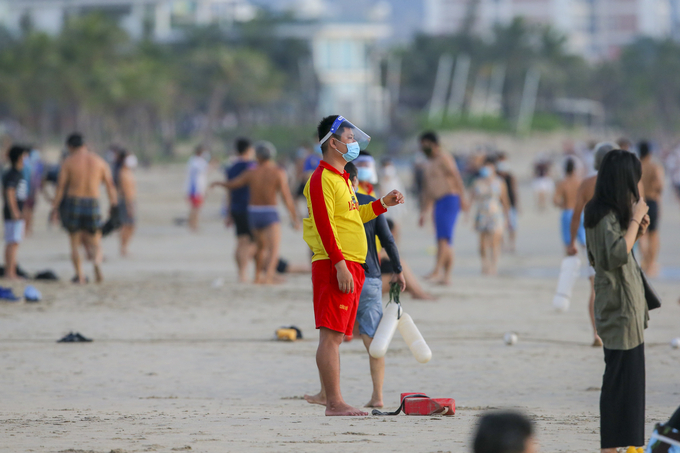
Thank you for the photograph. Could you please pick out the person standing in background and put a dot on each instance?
(197, 183)
(15, 193)
(237, 211)
(443, 190)
(565, 198)
(615, 219)
(490, 196)
(127, 196)
(390, 178)
(504, 171)
(652, 181)
(33, 173)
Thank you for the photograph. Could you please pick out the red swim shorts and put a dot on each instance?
(334, 309)
(196, 200)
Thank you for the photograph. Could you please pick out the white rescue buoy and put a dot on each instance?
(385, 331)
(414, 339)
(569, 272)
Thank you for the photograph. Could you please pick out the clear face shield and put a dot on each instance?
(366, 171)
(346, 132)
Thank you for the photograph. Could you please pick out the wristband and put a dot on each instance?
(382, 201)
(636, 221)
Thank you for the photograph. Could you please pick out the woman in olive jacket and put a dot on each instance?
(615, 219)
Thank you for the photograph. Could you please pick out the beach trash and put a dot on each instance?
(290, 333)
(31, 294)
(675, 343)
(510, 338)
(414, 339)
(385, 331)
(569, 272)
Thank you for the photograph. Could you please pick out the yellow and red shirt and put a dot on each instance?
(335, 227)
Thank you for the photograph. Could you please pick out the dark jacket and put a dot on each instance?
(378, 227)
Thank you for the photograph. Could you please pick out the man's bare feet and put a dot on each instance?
(374, 403)
(316, 399)
(343, 409)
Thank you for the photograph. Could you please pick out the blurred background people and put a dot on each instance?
(565, 198)
(15, 193)
(197, 183)
(124, 178)
(543, 185)
(653, 180)
(444, 197)
(504, 171)
(492, 210)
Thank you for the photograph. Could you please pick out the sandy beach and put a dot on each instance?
(182, 362)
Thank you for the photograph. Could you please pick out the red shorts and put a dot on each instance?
(196, 200)
(334, 309)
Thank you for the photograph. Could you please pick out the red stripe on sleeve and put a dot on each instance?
(322, 221)
(378, 208)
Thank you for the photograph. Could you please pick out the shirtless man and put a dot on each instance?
(585, 192)
(443, 189)
(565, 199)
(652, 181)
(80, 178)
(265, 181)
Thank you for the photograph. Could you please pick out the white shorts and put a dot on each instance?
(14, 231)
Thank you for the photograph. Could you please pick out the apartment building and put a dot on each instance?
(596, 29)
(163, 19)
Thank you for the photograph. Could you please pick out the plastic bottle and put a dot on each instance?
(413, 338)
(569, 272)
(385, 331)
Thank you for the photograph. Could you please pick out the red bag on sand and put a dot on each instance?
(420, 404)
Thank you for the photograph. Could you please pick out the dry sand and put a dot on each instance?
(177, 364)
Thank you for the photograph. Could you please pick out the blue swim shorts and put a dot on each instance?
(261, 217)
(369, 312)
(567, 214)
(446, 211)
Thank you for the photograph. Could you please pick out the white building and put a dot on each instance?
(346, 58)
(163, 18)
(595, 28)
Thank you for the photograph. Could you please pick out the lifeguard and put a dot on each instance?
(335, 233)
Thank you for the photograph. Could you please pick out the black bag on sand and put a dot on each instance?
(46, 275)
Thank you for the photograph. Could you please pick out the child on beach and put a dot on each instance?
(15, 192)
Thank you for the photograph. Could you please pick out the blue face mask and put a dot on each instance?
(352, 151)
(484, 172)
(364, 174)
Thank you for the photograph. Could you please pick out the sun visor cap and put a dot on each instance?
(342, 128)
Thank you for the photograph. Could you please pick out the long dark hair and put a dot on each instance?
(616, 189)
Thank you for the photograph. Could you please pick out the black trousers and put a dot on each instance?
(622, 401)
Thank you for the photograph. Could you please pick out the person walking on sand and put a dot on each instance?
(490, 196)
(197, 181)
(265, 182)
(335, 233)
(585, 192)
(652, 181)
(15, 193)
(504, 171)
(237, 213)
(127, 195)
(80, 178)
(615, 219)
(565, 198)
(443, 190)
(369, 312)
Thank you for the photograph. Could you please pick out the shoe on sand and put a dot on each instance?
(74, 337)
